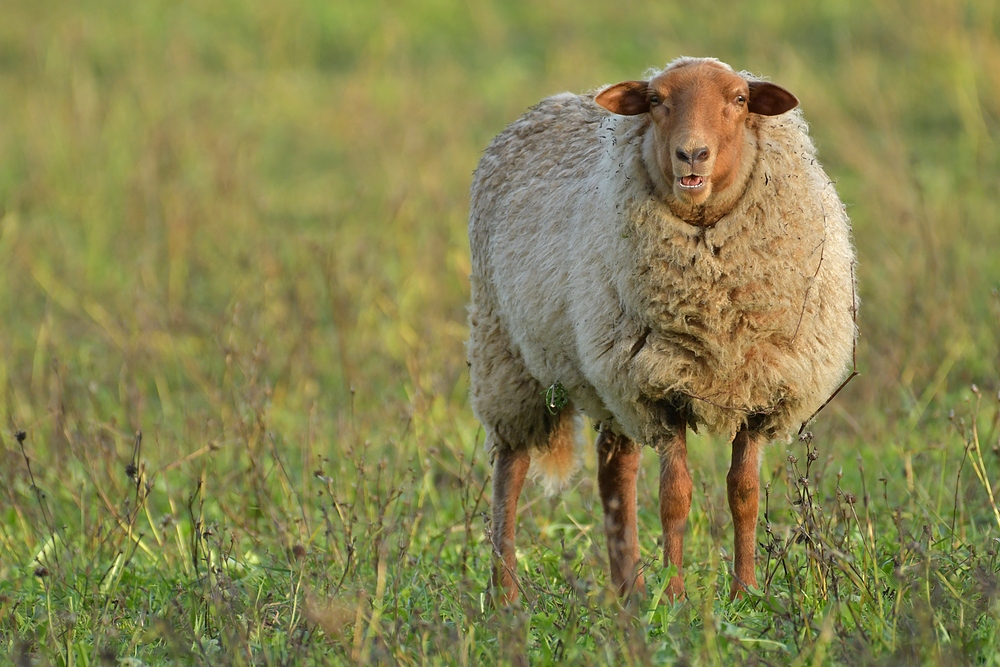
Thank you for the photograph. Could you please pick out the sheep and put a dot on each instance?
(663, 254)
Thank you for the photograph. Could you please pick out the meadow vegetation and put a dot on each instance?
(234, 424)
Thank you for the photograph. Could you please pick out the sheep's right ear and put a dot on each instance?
(628, 98)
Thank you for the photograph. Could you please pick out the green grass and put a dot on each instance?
(239, 229)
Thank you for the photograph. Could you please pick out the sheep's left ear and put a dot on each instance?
(768, 99)
(628, 98)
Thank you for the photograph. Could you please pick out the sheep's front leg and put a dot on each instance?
(743, 487)
(675, 502)
(510, 466)
(618, 460)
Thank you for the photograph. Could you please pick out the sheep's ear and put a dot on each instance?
(768, 99)
(628, 98)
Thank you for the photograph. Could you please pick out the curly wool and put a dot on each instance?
(582, 275)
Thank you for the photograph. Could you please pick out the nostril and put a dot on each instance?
(692, 156)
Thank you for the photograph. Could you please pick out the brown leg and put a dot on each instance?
(618, 461)
(675, 502)
(509, 469)
(743, 486)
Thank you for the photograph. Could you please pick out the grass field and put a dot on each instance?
(234, 425)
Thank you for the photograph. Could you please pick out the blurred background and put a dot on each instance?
(240, 226)
(181, 182)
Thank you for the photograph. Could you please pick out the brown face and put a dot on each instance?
(699, 111)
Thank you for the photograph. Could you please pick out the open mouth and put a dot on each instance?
(691, 181)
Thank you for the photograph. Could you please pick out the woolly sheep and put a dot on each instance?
(666, 254)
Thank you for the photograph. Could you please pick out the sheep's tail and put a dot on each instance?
(554, 466)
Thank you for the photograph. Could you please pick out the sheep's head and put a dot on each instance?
(704, 143)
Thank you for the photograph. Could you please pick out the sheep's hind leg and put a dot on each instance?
(743, 489)
(618, 460)
(510, 466)
(675, 503)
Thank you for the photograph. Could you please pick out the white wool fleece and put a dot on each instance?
(583, 276)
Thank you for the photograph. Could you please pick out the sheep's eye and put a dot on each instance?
(654, 99)
(741, 99)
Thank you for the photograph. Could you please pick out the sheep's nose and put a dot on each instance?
(693, 156)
